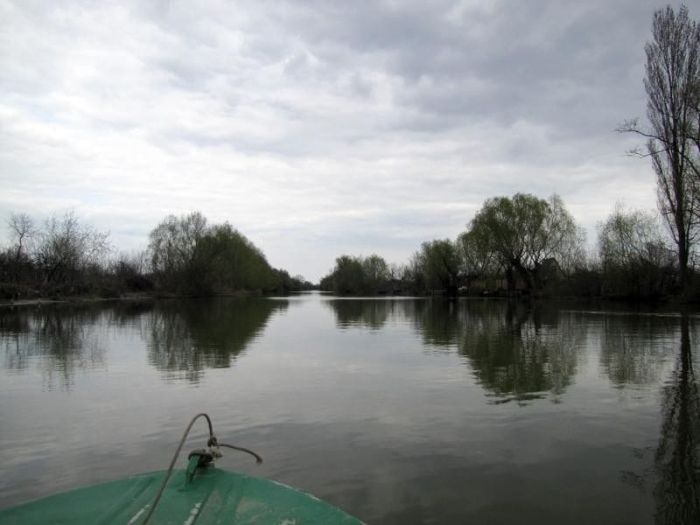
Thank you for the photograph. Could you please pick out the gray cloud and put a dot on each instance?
(319, 127)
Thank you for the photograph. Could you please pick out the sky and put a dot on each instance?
(319, 128)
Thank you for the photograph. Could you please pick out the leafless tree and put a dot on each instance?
(22, 229)
(628, 238)
(672, 83)
(66, 246)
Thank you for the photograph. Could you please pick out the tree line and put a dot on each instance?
(62, 256)
(525, 245)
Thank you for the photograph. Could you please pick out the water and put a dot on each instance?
(397, 410)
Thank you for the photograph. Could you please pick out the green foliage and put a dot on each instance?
(522, 236)
(375, 272)
(438, 262)
(190, 257)
(173, 245)
(520, 242)
(476, 260)
(225, 260)
(358, 275)
(65, 257)
(526, 236)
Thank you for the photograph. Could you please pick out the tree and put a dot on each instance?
(634, 256)
(560, 238)
(226, 260)
(629, 237)
(129, 270)
(172, 245)
(189, 256)
(439, 263)
(348, 275)
(672, 85)
(15, 262)
(376, 272)
(66, 247)
(475, 258)
(524, 232)
(23, 230)
(358, 275)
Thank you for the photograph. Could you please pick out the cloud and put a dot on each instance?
(318, 128)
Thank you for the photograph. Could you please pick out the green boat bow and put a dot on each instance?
(213, 496)
(198, 495)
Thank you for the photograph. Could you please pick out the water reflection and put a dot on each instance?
(57, 340)
(410, 435)
(185, 337)
(372, 314)
(517, 352)
(633, 348)
(521, 358)
(439, 322)
(676, 462)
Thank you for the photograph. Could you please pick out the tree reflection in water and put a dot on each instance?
(675, 472)
(518, 352)
(677, 490)
(14, 333)
(366, 313)
(633, 348)
(186, 337)
(439, 322)
(58, 340)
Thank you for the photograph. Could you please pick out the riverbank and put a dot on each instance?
(74, 300)
(132, 296)
(662, 302)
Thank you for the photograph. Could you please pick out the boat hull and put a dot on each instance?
(214, 496)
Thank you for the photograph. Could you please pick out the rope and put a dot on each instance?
(211, 442)
(258, 459)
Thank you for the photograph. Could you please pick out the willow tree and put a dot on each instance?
(438, 261)
(172, 246)
(672, 85)
(475, 259)
(523, 232)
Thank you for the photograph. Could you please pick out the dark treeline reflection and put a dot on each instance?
(676, 462)
(182, 337)
(372, 314)
(516, 352)
(634, 348)
(56, 340)
(185, 337)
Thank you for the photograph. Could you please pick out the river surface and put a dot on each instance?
(396, 410)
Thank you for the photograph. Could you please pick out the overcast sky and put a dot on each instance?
(319, 128)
